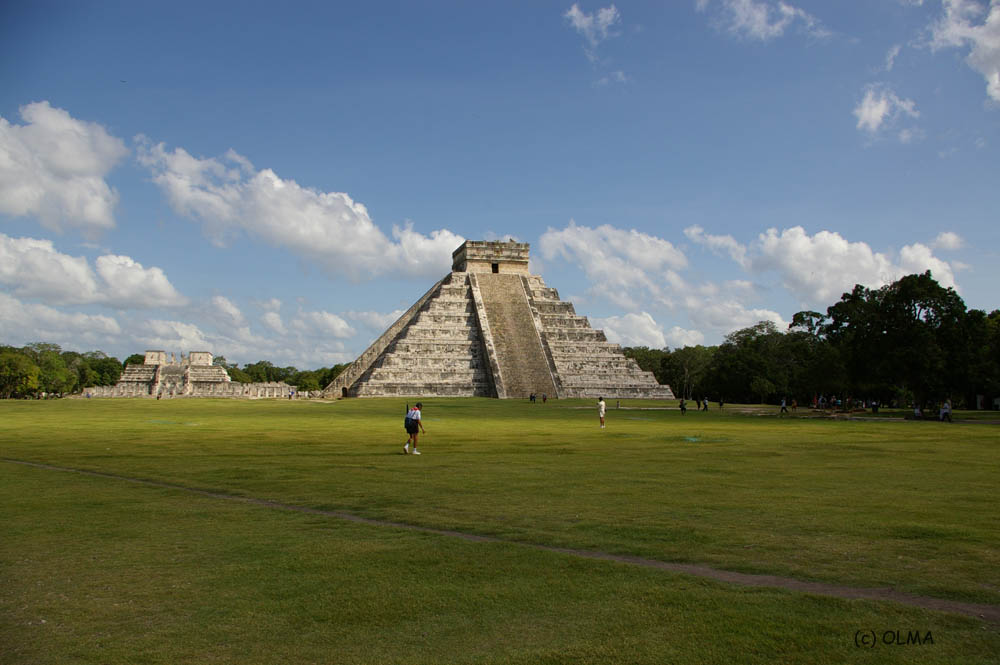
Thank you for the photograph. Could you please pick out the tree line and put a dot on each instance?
(912, 342)
(43, 369)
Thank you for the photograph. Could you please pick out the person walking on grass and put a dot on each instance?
(414, 425)
(601, 408)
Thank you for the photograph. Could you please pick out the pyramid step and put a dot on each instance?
(554, 307)
(445, 362)
(625, 392)
(418, 374)
(564, 348)
(415, 333)
(445, 319)
(563, 321)
(576, 335)
(442, 347)
(426, 389)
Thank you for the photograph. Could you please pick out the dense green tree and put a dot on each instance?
(746, 354)
(762, 387)
(18, 374)
(236, 374)
(686, 370)
(649, 360)
(905, 338)
(264, 370)
(54, 377)
(106, 372)
(306, 380)
(134, 359)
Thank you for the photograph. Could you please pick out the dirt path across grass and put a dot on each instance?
(986, 612)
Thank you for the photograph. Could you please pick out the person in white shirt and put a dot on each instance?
(413, 428)
(601, 408)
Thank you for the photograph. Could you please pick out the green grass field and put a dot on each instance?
(98, 569)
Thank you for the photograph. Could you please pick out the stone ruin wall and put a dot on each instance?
(193, 375)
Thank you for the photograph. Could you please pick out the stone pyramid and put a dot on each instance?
(492, 329)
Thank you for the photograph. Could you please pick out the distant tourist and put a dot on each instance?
(414, 425)
(704, 404)
(545, 398)
(684, 407)
(945, 413)
(784, 406)
(601, 408)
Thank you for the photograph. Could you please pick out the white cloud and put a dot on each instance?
(818, 269)
(375, 320)
(910, 135)
(917, 258)
(727, 314)
(273, 321)
(764, 21)
(161, 334)
(617, 262)
(53, 167)
(718, 244)
(33, 268)
(959, 28)
(228, 313)
(881, 106)
(632, 330)
(272, 305)
(595, 28)
(890, 57)
(614, 77)
(321, 324)
(678, 337)
(128, 284)
(948, 240)
(328, 228)
(47, 324)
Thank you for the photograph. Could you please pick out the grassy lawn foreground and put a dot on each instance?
(128, 573)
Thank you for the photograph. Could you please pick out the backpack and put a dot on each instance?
(408, 421)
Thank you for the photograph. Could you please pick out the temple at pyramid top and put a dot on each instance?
(490, 328)
(491, 257)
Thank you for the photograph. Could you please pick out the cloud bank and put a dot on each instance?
(54, 166)
(230, 197)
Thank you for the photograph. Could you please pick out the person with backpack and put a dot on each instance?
(413, 425)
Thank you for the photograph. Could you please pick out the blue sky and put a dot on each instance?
(280, 182)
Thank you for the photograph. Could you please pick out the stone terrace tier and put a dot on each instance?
(587, 364)
(437, 350)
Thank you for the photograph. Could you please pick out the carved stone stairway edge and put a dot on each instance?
(364, 362)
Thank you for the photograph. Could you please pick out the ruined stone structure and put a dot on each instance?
(191, 376)
(492, 329)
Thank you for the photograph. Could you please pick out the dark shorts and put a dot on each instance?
(412, 429)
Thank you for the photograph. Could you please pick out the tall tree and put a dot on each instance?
(18, 374)
(903, 338)
(134, 359)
